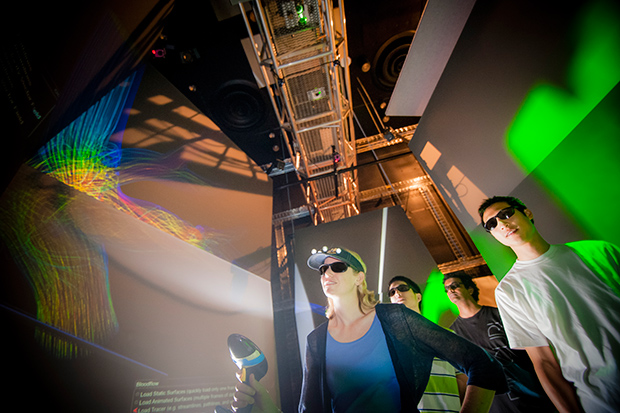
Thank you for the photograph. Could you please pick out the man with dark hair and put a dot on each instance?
(561, 303)
(510, 200)
(443, 392)
(482, 325)
(411, 296)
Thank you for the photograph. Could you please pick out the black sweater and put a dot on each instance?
(413, 342)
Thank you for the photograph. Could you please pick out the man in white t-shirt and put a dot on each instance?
(561, 304)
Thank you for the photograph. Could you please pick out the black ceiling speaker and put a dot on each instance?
(390, 58)
(379, 36)
(206, 61)
(238, 105)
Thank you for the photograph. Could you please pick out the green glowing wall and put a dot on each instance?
(436, 306)
(567, 137)
(528, 105)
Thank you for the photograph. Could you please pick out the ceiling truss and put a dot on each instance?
(301, 48)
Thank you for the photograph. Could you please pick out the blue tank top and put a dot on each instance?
(360, 374)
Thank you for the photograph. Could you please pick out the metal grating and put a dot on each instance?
(309, 91)
(289, 18)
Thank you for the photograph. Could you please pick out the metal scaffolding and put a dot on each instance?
(303, 58)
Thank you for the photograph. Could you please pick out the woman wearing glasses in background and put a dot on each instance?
(370, 357)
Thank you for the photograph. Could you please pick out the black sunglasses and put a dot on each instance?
(503, 214)
(402, 288)
(337, 266)
(453, 286)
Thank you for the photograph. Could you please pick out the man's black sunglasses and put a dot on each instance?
(337, 266)
(503, 214)
(453, 287)
(402, 288)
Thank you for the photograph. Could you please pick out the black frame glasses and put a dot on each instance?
(402, 288)
(503, 214)
(337, 267)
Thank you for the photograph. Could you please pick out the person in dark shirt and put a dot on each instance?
(483, 326)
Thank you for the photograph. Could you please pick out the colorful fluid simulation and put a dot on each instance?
(66, 268)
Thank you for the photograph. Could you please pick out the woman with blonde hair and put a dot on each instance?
(370, 357)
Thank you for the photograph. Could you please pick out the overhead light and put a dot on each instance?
(363, 63)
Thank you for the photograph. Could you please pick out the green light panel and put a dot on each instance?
(568, 139)
(435, 302)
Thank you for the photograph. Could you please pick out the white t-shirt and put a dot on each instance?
(557, 300)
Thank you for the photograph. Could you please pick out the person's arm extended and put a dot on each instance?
(560, 391)
(480, 367)
(477, 399)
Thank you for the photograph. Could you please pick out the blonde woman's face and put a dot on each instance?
(340, 283)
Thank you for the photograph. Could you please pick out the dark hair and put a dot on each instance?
(467, 281)
(510, 200)
(414, 287)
